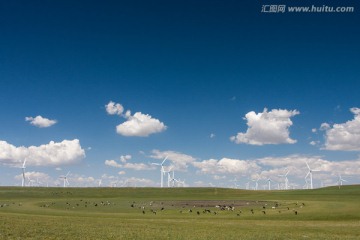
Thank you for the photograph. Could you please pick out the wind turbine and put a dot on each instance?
(286, 180)
(306, 185)
(341, 180)
(100, 182)
(23, 173)
(30, 182)
(256, 183)
(162, 171)
(171, 179)
(310, 174)
(66, 182)
(180, 182)
(269, 182)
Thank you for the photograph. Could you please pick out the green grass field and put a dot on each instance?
(179, 213)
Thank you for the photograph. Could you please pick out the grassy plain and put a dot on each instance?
(188, 213)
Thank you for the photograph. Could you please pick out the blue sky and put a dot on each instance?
(223, 90)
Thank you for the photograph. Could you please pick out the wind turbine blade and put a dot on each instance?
(164, 160)
(67, 174)
(307, 174)
(307, 165)
(157, 164)
(23, 166)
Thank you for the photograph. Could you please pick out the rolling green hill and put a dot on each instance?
(179, 213)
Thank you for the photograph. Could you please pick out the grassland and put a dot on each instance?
(179, 213)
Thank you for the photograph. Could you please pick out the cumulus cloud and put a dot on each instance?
(136, 182)
(267, 128)
(114, 108)
(125, 158)
(51, 154)
(272, 167)
(226, 165)
(137, 166)
(343, 136)
(140, 125)
(34, 178)
(40, 121)
(313, 143)
(137, 125)
(297, 166)
(128, 165)
(112, 163)
(179, 161)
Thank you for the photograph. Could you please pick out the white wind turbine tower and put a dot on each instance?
(100, 182)
(306, 185)
(23, 173)
(310, 174)
(341, 180)
(269, 182)
(162, 171)
(286, 180)
(30, 182)
(66, 182)
(182, 183)
(256, 183)
(171, 179)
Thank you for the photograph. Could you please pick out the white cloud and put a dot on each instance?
(138, 166)
(122, 173)
(140, 125)
(298, 169)
(40, 122)
(226, 165)
(179, 160)
(143, 182)
(325, 126)
(343, 136)
(51, 154)
(112, 163)
(34, 178)
(127, 165)
(217, 177)
(212, 135)
(314, 143)
(125, 158)
(267, 128)
(114, 108)
(137, 125)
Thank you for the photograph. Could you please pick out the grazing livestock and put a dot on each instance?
(264, 212)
